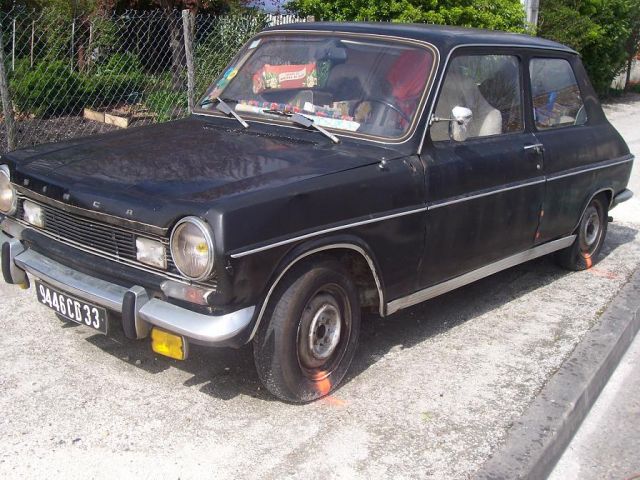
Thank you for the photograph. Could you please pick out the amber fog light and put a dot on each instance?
(8, 198)
(169, 344)
(192, 248)
(33, 214)
(151, 252)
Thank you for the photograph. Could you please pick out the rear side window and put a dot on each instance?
(488, 85)
(556, 97)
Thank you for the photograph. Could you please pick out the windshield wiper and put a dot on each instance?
(224, 107)
(307, 122)
(303, 121)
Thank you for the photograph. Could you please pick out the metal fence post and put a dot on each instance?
(90, 47)
(7, 107)
(187, 23)
(73, 42)
(13, 47)
(33, 40)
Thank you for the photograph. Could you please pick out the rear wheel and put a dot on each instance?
(309, 333)
(583, 253)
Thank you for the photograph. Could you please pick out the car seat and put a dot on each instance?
(459, 90)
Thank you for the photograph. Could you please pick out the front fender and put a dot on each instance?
(305, 251)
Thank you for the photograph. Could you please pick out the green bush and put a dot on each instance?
(167, 105)
(597, 30)
(489, 14)
(120, 79)
(50, 88)
(213, 55)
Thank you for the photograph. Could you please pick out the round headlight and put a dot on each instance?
(8, 198)
(192, 248)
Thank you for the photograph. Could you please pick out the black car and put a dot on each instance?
(333, 167)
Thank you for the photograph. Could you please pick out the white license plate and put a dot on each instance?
(72, 308)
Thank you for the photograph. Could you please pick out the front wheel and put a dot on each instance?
(583, 253)
(309, 333)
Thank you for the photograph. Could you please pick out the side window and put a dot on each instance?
(488, 85)
(556, 96)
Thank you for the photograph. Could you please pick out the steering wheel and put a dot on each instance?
(388, 105)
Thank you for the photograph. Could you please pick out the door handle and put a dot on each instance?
(536, 147)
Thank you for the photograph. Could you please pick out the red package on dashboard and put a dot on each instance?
(280, 77)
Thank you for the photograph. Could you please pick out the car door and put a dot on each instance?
(573, 141)
(484, 193)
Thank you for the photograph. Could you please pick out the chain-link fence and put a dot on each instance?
(75, 77)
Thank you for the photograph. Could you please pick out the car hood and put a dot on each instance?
(155, 174)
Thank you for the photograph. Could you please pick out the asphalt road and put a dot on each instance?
(607, 445)
(431, 394)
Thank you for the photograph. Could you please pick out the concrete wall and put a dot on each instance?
(635, 75)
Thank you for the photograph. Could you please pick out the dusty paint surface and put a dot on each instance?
(432, 392)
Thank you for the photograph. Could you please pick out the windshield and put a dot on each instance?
(369, 87)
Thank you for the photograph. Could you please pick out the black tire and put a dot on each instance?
(298, 331)
(584, 252)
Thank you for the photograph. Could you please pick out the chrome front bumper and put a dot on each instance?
(138, 311)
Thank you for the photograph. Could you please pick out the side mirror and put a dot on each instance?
(460, 119)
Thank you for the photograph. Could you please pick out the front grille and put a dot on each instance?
(115, 242)
(119, 243)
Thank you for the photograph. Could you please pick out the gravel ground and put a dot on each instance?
(431, 394)
(36, 131)
(53, 130)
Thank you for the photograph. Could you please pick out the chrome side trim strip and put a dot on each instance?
(345, 226)
(478, 274)
(435, 205)
(326, 230)
(535, 146)
(598, 166)
(487, 193)
(334, 246)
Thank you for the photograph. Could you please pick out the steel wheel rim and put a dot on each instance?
(591, 230)
(323, 332)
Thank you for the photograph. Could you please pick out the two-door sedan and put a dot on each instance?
(332, 168)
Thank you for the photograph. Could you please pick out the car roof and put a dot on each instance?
(441, 36)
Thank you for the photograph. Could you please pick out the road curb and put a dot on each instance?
(539, 437)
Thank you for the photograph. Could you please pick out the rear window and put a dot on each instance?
(556, 97)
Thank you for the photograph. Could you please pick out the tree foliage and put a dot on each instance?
(632, 47)
(75, 8)
(597, 29)
(490, 14)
